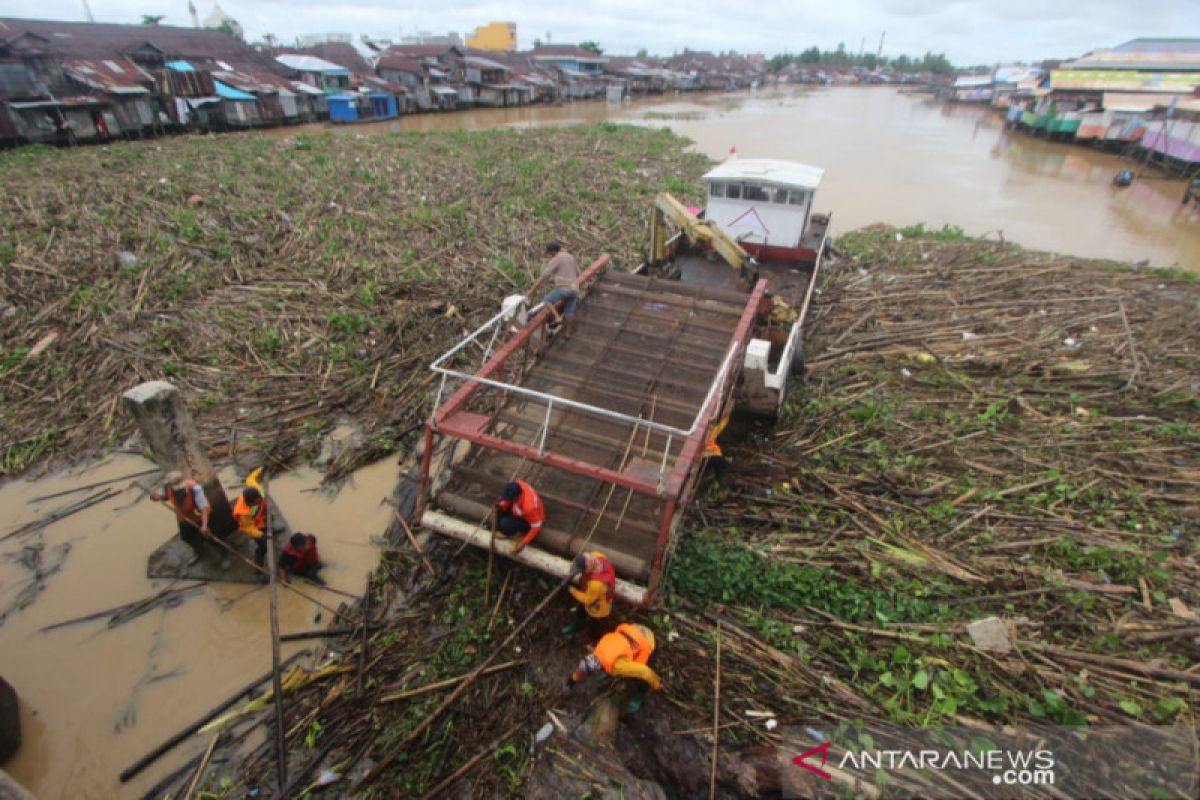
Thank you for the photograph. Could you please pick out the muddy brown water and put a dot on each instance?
(94, 700)
(902, 159)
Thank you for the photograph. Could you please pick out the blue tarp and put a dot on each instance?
(180, 66)
(230, 93)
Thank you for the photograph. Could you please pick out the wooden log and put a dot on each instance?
(530, 556)
(170, 743)
(168, 430)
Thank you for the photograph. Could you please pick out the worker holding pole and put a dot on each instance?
(250, 512)
(594, 585)
(186, 498)
(624, 653)
(519, 512)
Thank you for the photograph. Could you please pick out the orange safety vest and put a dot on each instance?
(188, 511)
(243, 509)
(626, 642)
(528, 506)
(711, 448)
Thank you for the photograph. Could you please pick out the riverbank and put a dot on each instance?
(984, 432)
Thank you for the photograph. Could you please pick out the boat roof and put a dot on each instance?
(787, 173)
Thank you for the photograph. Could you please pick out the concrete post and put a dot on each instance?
(169, 432)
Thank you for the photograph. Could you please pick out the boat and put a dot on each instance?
(611, 425)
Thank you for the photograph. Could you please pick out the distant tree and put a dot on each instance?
(592, 46)
(537, 42)
(776, 63)
(642, 53)
(811, 56)
(232, 28)
(152, 19)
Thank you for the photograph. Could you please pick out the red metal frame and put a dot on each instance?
(452, 420)
(464, 393)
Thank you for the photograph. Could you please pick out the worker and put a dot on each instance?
(187, 499)
(714, 456)
(595, 586)
(624, 653)
(300, 557)
(250, 512)
(519, 512)
(563, 270)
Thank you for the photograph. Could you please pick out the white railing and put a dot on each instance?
(638, 422)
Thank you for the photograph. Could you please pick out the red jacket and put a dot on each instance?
(529, 508)
(302, 560)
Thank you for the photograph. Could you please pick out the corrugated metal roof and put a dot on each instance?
(229, 93)
(485, 63)
(304, 88)
(109, 75)
(1146, 53)
(310, 64)
(768, 170)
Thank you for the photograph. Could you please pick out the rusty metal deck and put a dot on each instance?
(643, 348)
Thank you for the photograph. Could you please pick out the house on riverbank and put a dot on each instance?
(71, 82)
(1137, 97)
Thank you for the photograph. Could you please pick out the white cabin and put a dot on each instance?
(762, 201)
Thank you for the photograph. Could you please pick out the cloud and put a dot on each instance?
(967, 31)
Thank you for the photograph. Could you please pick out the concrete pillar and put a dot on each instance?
(169, 432)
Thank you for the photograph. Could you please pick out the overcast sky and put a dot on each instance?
(967, 31)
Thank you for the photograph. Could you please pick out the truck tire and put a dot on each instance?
(796, 368)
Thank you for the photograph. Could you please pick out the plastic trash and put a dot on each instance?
(543, 733)
(327, 777)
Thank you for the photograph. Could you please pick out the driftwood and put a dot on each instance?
(171, 742)
(123, 613)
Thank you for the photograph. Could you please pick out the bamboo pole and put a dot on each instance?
(170, 743)
(276, 684)
(716, 726)
(413, 541)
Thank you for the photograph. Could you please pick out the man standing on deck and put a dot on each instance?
(624, 653)
(187, 499)
(519, 512)
(563, 270)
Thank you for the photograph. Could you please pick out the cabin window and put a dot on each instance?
(796, 198)
(779, 195)
(733, 190)
(716, 189)
(754, 192)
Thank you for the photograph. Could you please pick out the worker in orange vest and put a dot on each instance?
(519, 512)
(713, 455)
(624, 653)
(187, 499)
(595, 586)
(250, 513)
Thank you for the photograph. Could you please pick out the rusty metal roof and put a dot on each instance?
(117, 75)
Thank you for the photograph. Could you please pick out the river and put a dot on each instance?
(902, 159)
(93, 699)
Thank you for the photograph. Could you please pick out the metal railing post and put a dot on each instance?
(545, 429)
